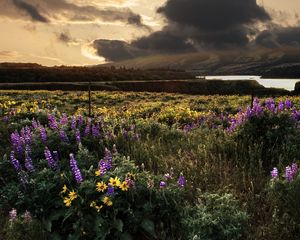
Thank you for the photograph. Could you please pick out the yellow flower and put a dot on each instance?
(107, 201)
(64, 189)
(97, 173)
(67, 202)
(124, 186)
(98, 208)
(101, 186)
(115, 181)
(93, 204)
(72, 195)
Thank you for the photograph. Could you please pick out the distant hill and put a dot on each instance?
(283, 62)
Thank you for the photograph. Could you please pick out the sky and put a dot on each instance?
(88, 32)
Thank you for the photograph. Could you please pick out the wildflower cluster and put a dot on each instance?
(290, 173)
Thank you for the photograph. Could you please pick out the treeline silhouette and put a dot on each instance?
(31, 72)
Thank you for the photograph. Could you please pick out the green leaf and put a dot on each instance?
(126, 236)
(119, 225)
(149, 227)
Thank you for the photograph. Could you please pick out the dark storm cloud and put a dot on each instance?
(196, 24)
(65, 11)
(30, 10)
(213, 15)
(278, 36)
(114, 50)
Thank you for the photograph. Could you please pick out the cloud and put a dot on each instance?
(67, 12)
(277, 36)
(193, 25)
(30, 10)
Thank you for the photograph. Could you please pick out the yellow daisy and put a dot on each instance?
(72, 195)
(67, 202)
(124, 186)
(115, 181)
(97, 173)
(101, 186)
(107, 201)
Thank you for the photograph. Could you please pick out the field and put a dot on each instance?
(148, 166)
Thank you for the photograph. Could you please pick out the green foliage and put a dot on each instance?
(215, 217)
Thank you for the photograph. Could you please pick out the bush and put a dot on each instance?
(215, 217)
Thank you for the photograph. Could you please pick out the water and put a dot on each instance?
(288, 84)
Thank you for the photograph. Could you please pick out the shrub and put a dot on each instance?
(215, 217)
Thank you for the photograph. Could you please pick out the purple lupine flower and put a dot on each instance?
(28, 162)
(75, 169)
(73, 123)
(105, 164)
(162, 184)
(288, 104)
(294, 169)
(26, 134)
(17, 142)
(15, 162)
(77, 136)
(63, 136)
(257, 108)
(80, 120)
(136, 137)
(280, 106)
(274, 173)
(181, 181)
(96, 130)
(288, 174)
(52, 122)
(35, 124)
(87, 130)
(296, 115)
(43, 134)
(270, 104)
(110, 190)
(64, 120)
(51, 163)
(13, 215)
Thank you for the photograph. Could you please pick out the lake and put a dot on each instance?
(288, 84)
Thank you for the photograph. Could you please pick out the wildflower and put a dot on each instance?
(101, 186)
(162, 184)
(52, 122)
(167, 176)
(181, 181)
(288, 174)
(12, 215)
(110, 190)
(106, 200)
(64, 119)
(63, 136)
(95, 130)
(97, 173)
(115, 181)
(93, 204)
(281, 106)
(274, 173)
(294, 169)
(75, 169)
(27, 216)
(98, 208)
(64, 189)
(77, 136)
(43, 134)
(14, 161)
(73, 122)
(288, 103)
(124, 186)
(51, 163)
(67, 202)
(28, 162)
(72, 195)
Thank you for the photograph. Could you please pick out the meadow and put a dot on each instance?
(148, 166)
